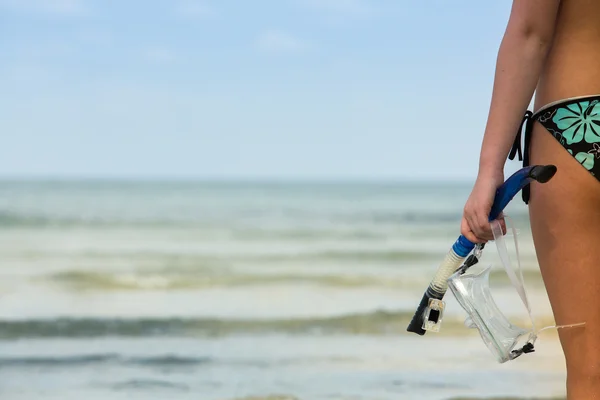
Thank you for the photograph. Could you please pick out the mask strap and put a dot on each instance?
(519, 283)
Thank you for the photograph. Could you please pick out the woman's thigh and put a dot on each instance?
(565, 222)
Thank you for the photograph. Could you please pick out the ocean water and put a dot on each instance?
(223, 290)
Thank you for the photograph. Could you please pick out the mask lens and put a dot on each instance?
(472, 291)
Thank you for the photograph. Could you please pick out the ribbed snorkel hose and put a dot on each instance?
(462, 247)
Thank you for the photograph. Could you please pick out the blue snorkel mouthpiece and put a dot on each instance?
(430, 310)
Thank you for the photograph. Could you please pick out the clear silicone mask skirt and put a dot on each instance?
(503, 338)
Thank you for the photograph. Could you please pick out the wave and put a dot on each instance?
(159, 361)
(359, 220)
(376, 322)
(365, 255)
(204, 278)
(80, 360)
(55, 361)
(80, 280)
(403, 252)
(380, 322)
(150, 384)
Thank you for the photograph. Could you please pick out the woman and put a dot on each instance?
(552, 47)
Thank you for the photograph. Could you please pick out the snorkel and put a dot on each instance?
(428, 316)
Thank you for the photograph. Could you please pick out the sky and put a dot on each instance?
(283, 89)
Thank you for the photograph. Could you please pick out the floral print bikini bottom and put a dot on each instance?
(575, 123)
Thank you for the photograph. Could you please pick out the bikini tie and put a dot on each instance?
(527, 122)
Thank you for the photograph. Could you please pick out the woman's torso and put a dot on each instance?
(572, 67)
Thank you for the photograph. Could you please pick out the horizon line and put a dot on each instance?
(233, 179)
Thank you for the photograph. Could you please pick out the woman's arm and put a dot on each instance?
(521, 57)
(522, 53)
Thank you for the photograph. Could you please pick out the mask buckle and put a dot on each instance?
(434, 314)
(527, 348)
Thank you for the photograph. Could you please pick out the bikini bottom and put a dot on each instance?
(574, 122)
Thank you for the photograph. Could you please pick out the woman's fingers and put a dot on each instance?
(477, 226)
(478, 229)
(482, 227)
(466, 231)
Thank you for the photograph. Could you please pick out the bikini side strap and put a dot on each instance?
(523, 153)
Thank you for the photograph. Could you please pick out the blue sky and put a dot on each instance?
(351, 89)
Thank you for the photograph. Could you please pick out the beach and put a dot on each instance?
(248, 290)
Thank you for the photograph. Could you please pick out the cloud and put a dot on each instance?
(25, 74)
(194, 9)
(279, 42)
(95, 37)
(355, 8)
(63, 8)
(44, 51)
(159, 55)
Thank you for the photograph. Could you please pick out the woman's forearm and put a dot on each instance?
(520, 61)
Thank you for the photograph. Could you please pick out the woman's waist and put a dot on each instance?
(568, 76)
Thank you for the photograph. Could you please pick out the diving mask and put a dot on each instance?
(504, 339)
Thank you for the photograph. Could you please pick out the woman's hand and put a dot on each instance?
(475, 224)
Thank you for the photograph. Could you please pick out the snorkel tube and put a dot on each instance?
(428, 314)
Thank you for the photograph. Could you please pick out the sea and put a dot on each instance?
(247, 290)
